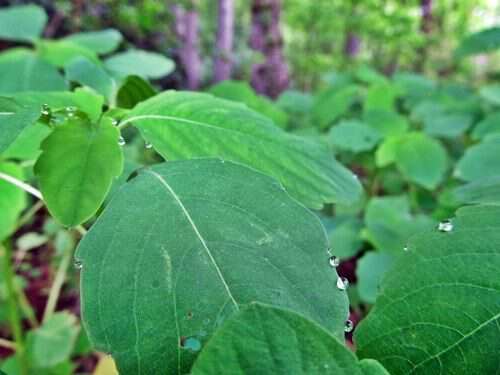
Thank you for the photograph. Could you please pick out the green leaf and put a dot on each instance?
(60, 52)
(15, 118)
(389, 223)
(386, 152)
(480, 161)
(133, 91)
(296, 102)
(353, 135)
(27, 145)
(52, 343)
(369, 272)
(381, 97)
(141, 63)
(12, 200)
(484, 41)
(491, 93)
(24, 23)
(100, 42)
(262, 339)
(387, 123)
(422, 159)
(489, 125)
(482, 191)
(242, 92)
(23, 71)
(448, 125)
(332, 104)
(78, 163)
(438, 309)
(344, 232)
(183, 246)
(183, 125)
(88, 73)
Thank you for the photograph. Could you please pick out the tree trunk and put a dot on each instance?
(352, 45)
(186, 29)
(224, 43)
(271, 76)
(426, 9)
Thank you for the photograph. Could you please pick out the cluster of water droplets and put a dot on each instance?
(334, 262)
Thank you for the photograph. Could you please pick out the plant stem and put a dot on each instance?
(14, 317)
(30, 213)
(56, 287)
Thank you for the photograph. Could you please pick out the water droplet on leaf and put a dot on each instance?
(191, 343)
(148, 145)
(334, 261)
(78, 264)
(45, 110)
(114, 122)
(349, 326)
(342, 283)
(121, 141)
(445, 226)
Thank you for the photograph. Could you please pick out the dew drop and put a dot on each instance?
(445, 226)
(45, 110)
(114, 122)
(334, 261)
(78, 264)
(191, 343)
(349, 326)
(342, 283)
(405, 248)
(148, 145)
(121, 141)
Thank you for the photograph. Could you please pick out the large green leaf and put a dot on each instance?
(100, 42)
(183, 125)
(481, 160)
(23, 23)
(489, 125)
(491, 93)
(438, 310)
(141, 63)
(422, 160)
(483, 41)
(266, 340)
(60, 52)
(15, 117)
(183, 246)
(78, 163)
(12, 199)
(22, 70)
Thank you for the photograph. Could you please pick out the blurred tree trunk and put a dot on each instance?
(224, 43)
(352, 45)
(269, 77)
(426, 10)
(186, 26)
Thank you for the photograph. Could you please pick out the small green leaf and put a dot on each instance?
(23, 23)
(133, 91)
(422, 159)
(381, 97)
(491, 93)
(60, 53)
(141, 63)
(369, 272)
(482, 191)
(22, 71)
(78, 163)
(353, 135)
(100, 42)
(52, 343)
(345, 233)
(387, 123)
(183, 246)
(386, 152)
(27, 145)
(332, 104)
(438, 309)
(88, 73)
(449, 125)
(480, 161)
(489, 125)
(261, 339)
(483, 41)
(182, 125)
(15, 118)
(389, 223)
(12, 199)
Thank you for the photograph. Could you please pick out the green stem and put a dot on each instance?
(14, 317)
(56, 287)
